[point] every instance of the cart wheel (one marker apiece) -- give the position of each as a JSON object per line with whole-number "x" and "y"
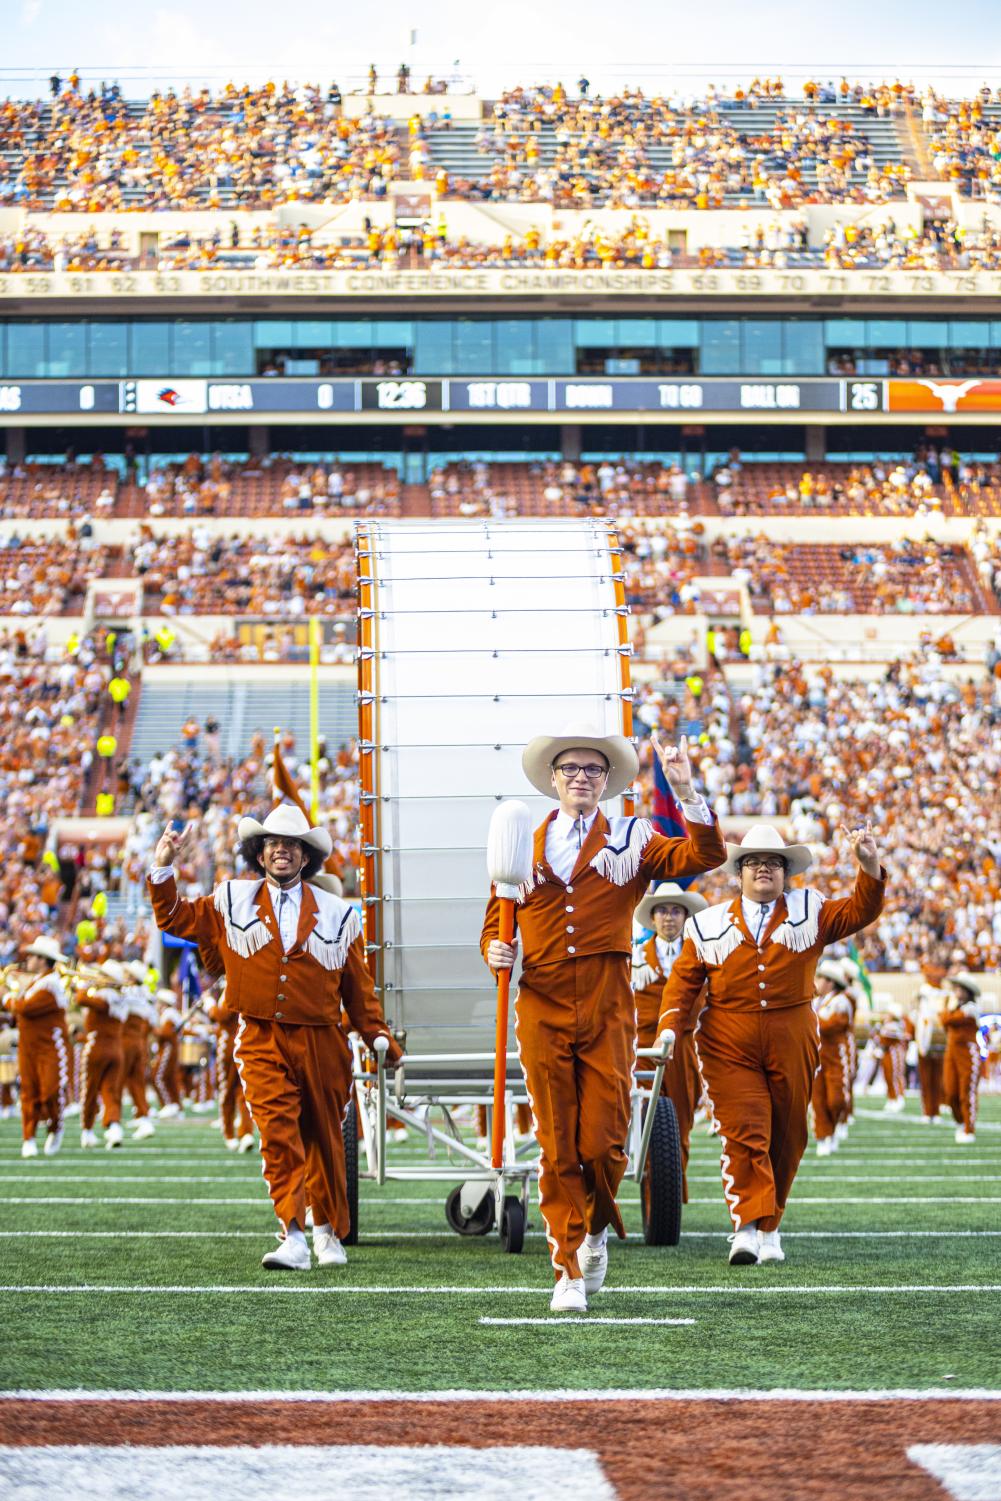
{"x": 349, "y": 1129}
{"x": 661, "y": 1190}
{"x": 480, "y": 1222}
{"x": 512, "y": 1230}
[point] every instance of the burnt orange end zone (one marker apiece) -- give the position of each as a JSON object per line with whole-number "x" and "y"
{"x": 685, "y": 1451}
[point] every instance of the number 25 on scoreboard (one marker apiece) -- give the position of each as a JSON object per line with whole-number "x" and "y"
{"x": 865, "y": 396}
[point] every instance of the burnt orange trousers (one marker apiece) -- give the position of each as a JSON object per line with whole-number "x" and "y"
{"x": 831, "y": 1088}
{"x": 930, "y": 1071}
{"x": 575, "y": 1023}
{"x": 44, "y": 1069}
{"x": 166, "y": 1074}
{"x": 297, "y": 1083}
{"x": 682, "y": 1085}
{"x": 232, "y": 1105}
{"x": 100, "y": 1078}
{"x": 961, "y": 1082}
{"x": 758, "y": 1068}
{"x": 894, "y": 1062}
{"x": 134, "y": 1057}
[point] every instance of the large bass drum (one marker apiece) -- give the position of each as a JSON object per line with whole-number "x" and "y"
{"x": 474, "y": 637}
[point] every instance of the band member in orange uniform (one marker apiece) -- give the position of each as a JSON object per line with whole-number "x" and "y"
{"x": 232, "y": 1105}
{"x": 963, "y": 1060}
{"x": 101, "y": 1059}
{"x": 575, "y": 1018}
{"x": 832, "y": 1081}
{"x": 930, "y": 1037}
{"x": 665, "y": 909}
{"x": 39, "y": 1008}
{"x": 757, "y": 1039}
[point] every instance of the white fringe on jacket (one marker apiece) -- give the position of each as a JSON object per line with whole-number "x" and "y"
{"x": 337, "y": 926}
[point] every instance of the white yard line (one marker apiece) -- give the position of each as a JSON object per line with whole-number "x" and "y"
{"x": 389, "y": 1235}
{"x": 377, "y": 1199}
{"x": 831, "y": 1176}
{"x": 577, "y": 1319}
{"x": 324, "y": 1289}
{"x": 568, "y": 1394}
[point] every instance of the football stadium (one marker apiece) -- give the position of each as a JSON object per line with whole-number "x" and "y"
{"x": 501, "y": 682}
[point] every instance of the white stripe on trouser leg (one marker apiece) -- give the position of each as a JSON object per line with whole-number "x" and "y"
{"x": 62, "y": 1065}
{"x": 224, "y": 1082}
{"x": 553, "y": 1246}
{"x": 974, "y": 1081}
{"x": 729, "y": 1192}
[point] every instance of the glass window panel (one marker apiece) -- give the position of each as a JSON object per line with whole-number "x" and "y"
{"x": 554, "y": 346}
{"x": 803, "y": 347}
{"x": 927, "y": 333}
{"x": 311, "y": 333}
{"x": 67, "y": 349}
{"x": 192, "y": 353}
{"x": 433, "y": 349}
{"x": 272, "y": 333}
{"x": 721, "y": 353}
{"x": 638, "y": 333}
{"x": 26, "y": 349}
{"x": 762, "y": 347}
{"x": 970, "y": 333}
{"x": 150, "y": 349}
{"x": 514, "y": 348}
{"x": 392, "y": 333}
{"x": 886, "y": 333}
{"x": 845, "y": 333}
{"x": 352, "y": 333}
{"x": 109, "y": 348}
{"x": 996, "y": 335}
{"x": 473, "y": 346}
{"x": 232, "y": 351}
{"x": 678, "y": 333}
{"x": 596, "y": 333}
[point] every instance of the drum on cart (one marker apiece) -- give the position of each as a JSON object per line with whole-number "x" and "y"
{"x": 474, "y": 637}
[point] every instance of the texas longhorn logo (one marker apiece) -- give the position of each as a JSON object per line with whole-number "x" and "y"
{"x": 169, "y": 396}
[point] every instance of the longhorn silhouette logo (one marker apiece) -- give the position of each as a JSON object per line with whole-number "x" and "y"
{"x": 951, "y": 395}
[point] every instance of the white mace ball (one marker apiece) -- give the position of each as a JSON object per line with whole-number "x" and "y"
{"x": 509, "y": 847}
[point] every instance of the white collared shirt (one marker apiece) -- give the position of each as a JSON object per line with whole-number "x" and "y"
{"x": 757, "y": 916}
{"x": 668, "y": 952}
{"x": 565, "y": 839}
{"x": 287, "y": 912}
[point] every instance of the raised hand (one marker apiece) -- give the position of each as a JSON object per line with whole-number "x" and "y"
{"x": 169, "y": 845}
{"x": 675, "y": 764}
{"x": 862, "y": 843}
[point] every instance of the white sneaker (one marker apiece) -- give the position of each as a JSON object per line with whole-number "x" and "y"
{"x": 247, "y": 1143}
{"x": 144, "y": 1127}
{"x": 925, "y": 1120}
{"x": 328, "y": 1249}
{"x": 53, "y": 1142}
{"x": 964, "y": 1137}
{"x": 744, "y": 1248}
{"x": 569, "y": 1296}
{"x": 88, "y": 1139}
{"x": 232, "y": 1142}
{"x": 73, "y": 1108}
{"x": 170, "y": 1112}
{"x": 113, "y": 1136}
{"x": 825, "y": 1146}
{"x": 894, "y": 1107}
{"x": 289, "y": 1256}
{"x": 29, "y": 1148}
{"x": 593, "y": 1263}
{"x": 937, "y": 1120}
{"x": 840, "y": 1132}
{"x": 770, "y": 1246}
{"x": 217, "y": 1123}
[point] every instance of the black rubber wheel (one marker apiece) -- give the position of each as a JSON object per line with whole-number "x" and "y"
{"x": 480, "y": 1222}
{"x": 661, "y": 1188}
{"x": 350, "y": 1130}
{"x": 512, "y": 1229}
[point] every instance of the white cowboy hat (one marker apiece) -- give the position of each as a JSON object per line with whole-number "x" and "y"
{"x": 325, "y": 880}
{"x": 288, "y": 820}
{"x": 833, "y": 970}
{"x": 667, "y": 894}
{"x": 764, "y": 839}
{"x": 46, "y": 948}
{"x": 137, "y": 969}
{"x": 166, "y": 998}
{"x": 116, "y": 972}
{"x": 539, "y": 754}
{"x": 967, "y": 981}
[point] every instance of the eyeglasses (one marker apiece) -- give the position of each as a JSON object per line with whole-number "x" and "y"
{"x": 763, "y": 862}
{"x": 281, "y": 844}
{"x": 593, "y": 773}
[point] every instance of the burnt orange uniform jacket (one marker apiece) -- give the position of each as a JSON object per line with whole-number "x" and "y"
{"x": 43, "y": 1053}
{"x": 757, "y": 1038}
{"x": 681, "y": 1072}
{"x": 575, "y": 1018}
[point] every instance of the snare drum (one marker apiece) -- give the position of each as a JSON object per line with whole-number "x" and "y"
{"x": 8, "y": 1068}
{"x": 192, "y": 1052}
{"x": 474, "y": 637}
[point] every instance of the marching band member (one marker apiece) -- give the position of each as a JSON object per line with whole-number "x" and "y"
{"x": 575, "y": 1018}
{"x": 930, "y": 1037}
{"x": 166, "y": 1071}
{"x": 136, "y": 1030}
{"x": 832, "y": 1081}
{"x": 293, "y": 956}
{"x": 101, "y": 1060}
{"x": 756, "y": 1038}
{"x": 665, "y": 909}
{"x": 963, "y": 1062}
{"x": 893, "y": 1034}
{"x": 42, "y": 1046}
{"x": 232, "y": 1104}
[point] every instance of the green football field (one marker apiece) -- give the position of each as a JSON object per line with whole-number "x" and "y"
{"x": 140, "y": 1269}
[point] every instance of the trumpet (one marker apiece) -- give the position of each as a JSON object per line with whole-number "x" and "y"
{"x": 89, "y": 975}
{"x": 13, "y": 977}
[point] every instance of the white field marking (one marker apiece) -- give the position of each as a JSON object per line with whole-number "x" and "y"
{"x": 379, "y": 1236}
{"x": 916, "y": 1122}
{"x": 969, "y": 1472}
{"x": 326, "y": 1289}
{"x": 83, "y": 1200}
{"x": 575, "y": 1319}
{"x": 111, "y": 1175}
{"x": 553, "y": 1394}
{"x": 366, "y": 1472}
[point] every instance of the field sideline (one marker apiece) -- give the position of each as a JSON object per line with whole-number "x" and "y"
{"x": 139, "y": 1271}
